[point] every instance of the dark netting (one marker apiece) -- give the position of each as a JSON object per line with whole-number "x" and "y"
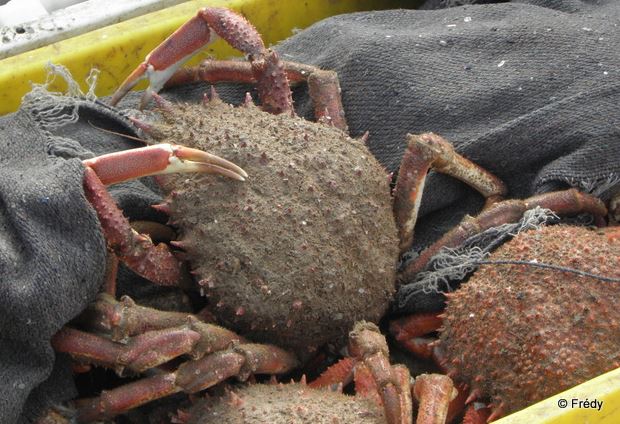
{"x": 529, "y": 90}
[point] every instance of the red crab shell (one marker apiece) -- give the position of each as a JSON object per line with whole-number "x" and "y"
{"x": 518, "y": 334}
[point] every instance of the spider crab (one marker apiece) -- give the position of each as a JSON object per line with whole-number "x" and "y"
{"x": 515, "y": 333}
{"x": 272, "y": 303}
{"x": 538, "y": 317}
{"x": 291, "y": 251}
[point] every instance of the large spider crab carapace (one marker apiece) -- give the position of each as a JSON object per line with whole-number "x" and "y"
{"x": 307, "y": 242}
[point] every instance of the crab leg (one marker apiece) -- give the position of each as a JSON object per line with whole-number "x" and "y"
{"x": 155, "y": 263}
{"x": 323, "y": 85}
{"x": 430, "y": 151}
{"x": 415, "y": 325}
{"x": 124, "y": 319}
{"x": 339, "y": 373}
{"x": 217, "y": 354}
{"x": 124, "y": 398}
{"x": 111, "y": 270}
{"x": 195, "y": 34}
{"x": 199, "y": 31}
{"x": 368, "y": 344}
{"x": 191, "y": 377}
{"x": 568, "y": 202}
{"x": 139, "y": 354}
{"x": 434, "y": 393}
{"x": 408, "y": 331}
{"x": 370, "y": 367}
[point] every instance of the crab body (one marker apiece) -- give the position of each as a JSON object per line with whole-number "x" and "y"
{"x": 308, "y": 244}
{"x": 293, "y": 254}
{"x": 518, "y": 334}
{"x": 288, "y": 403}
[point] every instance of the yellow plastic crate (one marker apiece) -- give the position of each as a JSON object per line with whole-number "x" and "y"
{"x": 117, "y": 49}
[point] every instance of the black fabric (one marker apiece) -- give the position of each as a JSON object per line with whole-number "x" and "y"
{"x": 51, "y": 262}
{"x": 530, "y": 92}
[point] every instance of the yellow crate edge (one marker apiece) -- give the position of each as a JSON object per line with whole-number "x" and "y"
{"x": 117, "y": 49}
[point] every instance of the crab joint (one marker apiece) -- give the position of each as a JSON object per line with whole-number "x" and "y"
{"x": 434, "y": 393}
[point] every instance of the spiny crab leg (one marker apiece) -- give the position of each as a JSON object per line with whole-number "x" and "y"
{"x": 139, "y": 354}
{"x": 156, "y": 263}
{"x": 217, "y": 354}
{"x": 374, "y": 377}
{"x": 192, "y": 36}
{"x": 408, "y": 332}
{"x": 323, "y": 85}
{"x": 564, "y": 202}
{"x": 126, "y": 318}
{"x": 191, "y": 377}
{"x": 431, "y": 151}
{"x": 199, "y": 31}
{"x": 160, "y": 159}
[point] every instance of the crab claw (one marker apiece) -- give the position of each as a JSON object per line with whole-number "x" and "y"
{"x": 160, "y": 159}
{"x": 195, "y": 34}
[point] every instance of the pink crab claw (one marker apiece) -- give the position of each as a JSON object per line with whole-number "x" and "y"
{"x": 154, "y": 262}
{"x": 195, "y": 34}
{"x": 160, "y": 159}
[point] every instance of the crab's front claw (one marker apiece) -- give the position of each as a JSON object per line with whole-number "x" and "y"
{"x": 160, "y": 159}
{"x": 200, "y": 31}
{"x": 155, "y": 263}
